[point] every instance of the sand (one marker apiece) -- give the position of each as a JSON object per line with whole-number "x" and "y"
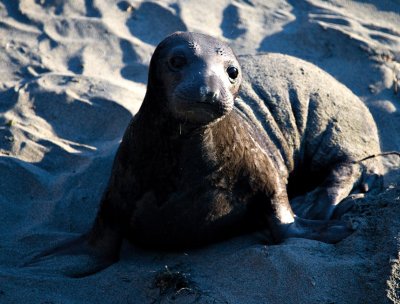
{"x": 73, "y": 73}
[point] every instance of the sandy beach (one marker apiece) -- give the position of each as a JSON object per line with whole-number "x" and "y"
{"x": 73, "y": 74}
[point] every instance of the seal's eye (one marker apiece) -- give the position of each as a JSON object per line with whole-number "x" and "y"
{"x": 177, "y": 62}
{"x": 232, "y": 72}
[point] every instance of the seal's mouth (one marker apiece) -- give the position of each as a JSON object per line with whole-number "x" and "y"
{"x": 216, "y": 108}
{"x": 201, "y": 112}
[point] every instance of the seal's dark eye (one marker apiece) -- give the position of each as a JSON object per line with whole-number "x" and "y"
{"x": 232, "y": 72}
{"x": 177, "y": 62}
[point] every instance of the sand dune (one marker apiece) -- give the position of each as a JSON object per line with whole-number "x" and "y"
{"x": 73, "y": 73}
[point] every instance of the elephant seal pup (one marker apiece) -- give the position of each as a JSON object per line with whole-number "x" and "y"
{"x": 218, "y": 147}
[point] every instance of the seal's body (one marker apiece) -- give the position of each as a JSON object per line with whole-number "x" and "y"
{"x": 200, "y": 161}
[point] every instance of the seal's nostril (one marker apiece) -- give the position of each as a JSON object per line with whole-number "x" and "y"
{"x": 203, "y": 92}
{"x": 208, "y": 95}
{"x": 212, "y": 96}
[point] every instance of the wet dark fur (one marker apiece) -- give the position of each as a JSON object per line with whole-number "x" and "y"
{"x": 183, "y": 164}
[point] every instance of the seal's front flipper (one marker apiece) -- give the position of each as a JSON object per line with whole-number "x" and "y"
{"x": 284, "y": 224}
{"x": 325, "y": 231}
{"x": 332, "y": 198}
{"x": 320, "y": 203}
{"x": 79, "y": 257}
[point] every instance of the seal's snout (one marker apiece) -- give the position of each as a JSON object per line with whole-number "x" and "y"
{"x": 199, "y": 75}
{"x": 209, "y": 95}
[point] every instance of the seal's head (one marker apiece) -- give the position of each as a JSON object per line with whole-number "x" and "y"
{"x": 198, "y": 76}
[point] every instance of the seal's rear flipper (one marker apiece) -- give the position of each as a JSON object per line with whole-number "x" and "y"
{"x": 79, "y": 257}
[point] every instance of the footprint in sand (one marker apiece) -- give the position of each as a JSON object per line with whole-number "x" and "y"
{"x": 231, "y": 24}
{"x": 75, "y": 64}
{"x": 66, "y": 8}
{"x": 161, "y": 20}
{"x": 132, "y": 69}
